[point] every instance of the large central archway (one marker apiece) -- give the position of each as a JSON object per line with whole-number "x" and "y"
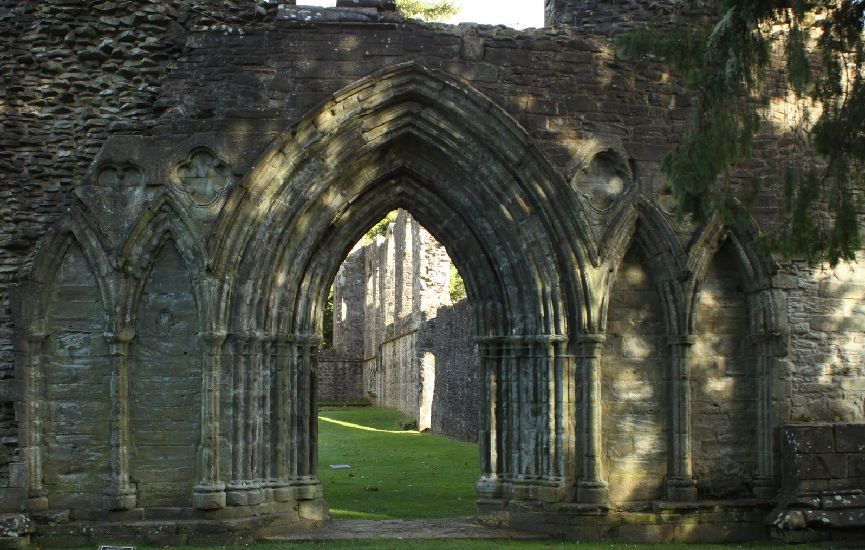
{"x": 405, "y": 138}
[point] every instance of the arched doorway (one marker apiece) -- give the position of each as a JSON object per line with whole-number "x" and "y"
{"x": 408, "y": 139}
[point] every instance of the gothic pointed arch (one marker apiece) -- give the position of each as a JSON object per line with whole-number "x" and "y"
{"x": 415, "y": 139}
{"x": 73, "y": 229}
{"x": 162, "y": 220}
{"x": 162, "y": 304}
{"x": 63, "y": 309}
{"x": 643, "y": 226}
{"x": 755, "y": 268}
{"x": 427, "y": 128}
{"x": 739, "y": 323}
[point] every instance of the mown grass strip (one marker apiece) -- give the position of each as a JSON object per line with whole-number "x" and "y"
{"x": 393, "y": 473}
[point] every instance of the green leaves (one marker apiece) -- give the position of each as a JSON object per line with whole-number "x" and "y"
{"x": 427, "y": 10}
{"x": 725, "y": 63}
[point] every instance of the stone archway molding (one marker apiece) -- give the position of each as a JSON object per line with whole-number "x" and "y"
{"x": 413, "y": 138}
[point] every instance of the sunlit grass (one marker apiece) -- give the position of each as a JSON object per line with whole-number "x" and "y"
{"x": 392, "y": 475}
{"x": 366, "y": 428}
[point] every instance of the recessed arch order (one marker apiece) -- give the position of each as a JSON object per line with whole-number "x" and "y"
{"x": 411, "y": 138}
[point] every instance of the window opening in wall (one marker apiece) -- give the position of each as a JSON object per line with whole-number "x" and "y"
{"x": 398, "y": 381}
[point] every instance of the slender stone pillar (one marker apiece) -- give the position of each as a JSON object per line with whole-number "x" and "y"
{"x": 680, "y": 484}
{"x": 544, "y": 358}
{"x": 591, "y": 487}
{"x": 765, "y": 485}
{"x": 33, "y": 349}
{"x": 252, "y": 420}
{"x": 283, "y": 356}
{"x": 120, "y": 493}
{"x": 209, "y": 493}
{"x": 266, "y": 425}
{"x": 489, "y": 484}
{"x": 307, "y": 347}
{"x": 235, "y": 493}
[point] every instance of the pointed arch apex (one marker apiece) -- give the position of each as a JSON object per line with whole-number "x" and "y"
{"x": 161, "y": 216}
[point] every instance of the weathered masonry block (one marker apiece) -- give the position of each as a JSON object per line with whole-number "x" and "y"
{"x": 178, "y": 193}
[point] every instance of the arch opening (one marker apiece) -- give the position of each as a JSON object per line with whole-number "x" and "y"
{"x": 402, "y": 347}
{"x": 469, "y": 175}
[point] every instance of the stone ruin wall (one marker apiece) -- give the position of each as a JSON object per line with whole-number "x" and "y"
{"x": 393, "y": 316}
{"x": 340, "y": 367}
{"x": 71, "y": 76}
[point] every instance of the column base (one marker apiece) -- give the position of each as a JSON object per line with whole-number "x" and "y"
{"x": 545, "y": 489}
{"x": 765, "y": 488}
{"x": 243, "y": 493}
{"x": 119, "y": 500}
{"x": 37, "y": 504}
{"x": 593, "y": 492}
{"x": 209, "y": 496}
{"x": 489, "y": 486}
{"x": 681, "y": 489}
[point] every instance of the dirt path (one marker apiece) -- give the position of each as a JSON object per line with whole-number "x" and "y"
{"x": 451, "y": 528}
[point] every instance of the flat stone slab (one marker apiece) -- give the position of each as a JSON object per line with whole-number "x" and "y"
{"x": 400, "y": 529}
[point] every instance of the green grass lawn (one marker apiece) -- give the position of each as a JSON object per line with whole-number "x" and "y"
{"x": 394, "y": 473}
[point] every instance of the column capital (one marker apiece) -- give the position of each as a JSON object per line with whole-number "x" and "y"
{"x": 592, "y": 338}
{"x": 591, "y": 344}
{"x": 213, "y": 337}
{"x": 307, "y": 339}
{"x": 681, "y": 339}
{"x": 120, "y": 335}
{"x": 35, "y": 336}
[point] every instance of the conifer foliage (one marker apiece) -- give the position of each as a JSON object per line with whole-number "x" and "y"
{"x": 428, "y": 10}
{"x": 725, "y": 60}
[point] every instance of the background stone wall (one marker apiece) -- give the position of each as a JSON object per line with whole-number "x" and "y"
{"x": 405, "y": 284}
{"x": 165, "y": 386}
{"x": 418, "y": 352}
{"x": 77, "y": 386}
{"x": 448, "y": 339}
{"x": 340, "y": 378}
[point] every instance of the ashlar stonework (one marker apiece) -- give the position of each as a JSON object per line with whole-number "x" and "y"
{"x": 180, "y": 185}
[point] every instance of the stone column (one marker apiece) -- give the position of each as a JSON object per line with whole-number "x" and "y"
{"x": 120, "y": 493}
{"x": 235, "y": 492}
{"x": 252, "y": 419}
{"x": 283, "y": 355}
{"x": 307, "y": 398}
{"x": 245, "y": 485}
{"x": 32, "y": 350}
{"x": 680, "y": 484}
{"x": 266, "y": 425}
{"x": 489, "y": 484}
{"x": 591, "y": 487}
{"x": 545, "y": 386}
{"x": 765, "y": 485}
{"x": 521, "y": 418}
{"x": 209, "y": 493}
